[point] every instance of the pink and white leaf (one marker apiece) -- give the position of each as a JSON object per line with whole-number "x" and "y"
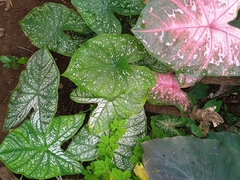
{"x": 185, "y": 81}
{"x": 167, "y": 92}
{"x": 192, "y": 36}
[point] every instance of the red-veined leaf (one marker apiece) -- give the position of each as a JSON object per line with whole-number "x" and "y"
{"x": 167, "y": 92}
{"x": 192, "y": 36}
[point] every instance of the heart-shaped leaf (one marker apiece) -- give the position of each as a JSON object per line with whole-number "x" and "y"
{"x": 193, "y": 37}
{"x": 190, "y": 158}
{"x": 120, "y": 107}
{"x": 99, "y": 14}
{"x": 37, "y": 90}
{"x": 167, "y": 92}
{"x": 45, "y": 25}
{"x": 39, "y": 155}
{"x": 101, "y": 66}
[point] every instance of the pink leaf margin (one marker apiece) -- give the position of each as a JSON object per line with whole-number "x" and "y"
{"x": 168, "y": 92}
{"x": 192, "y": 36}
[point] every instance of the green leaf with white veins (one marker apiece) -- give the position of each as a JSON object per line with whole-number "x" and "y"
{"x": 120, "y": 107}
{"x": 84, "y": 144}
{"x": 136, "y": 127}
{"x": 101, "y": 66}
{"x": 99, "y": 14}
{"x": 45, "y": 25}
{"x": 37, "y": 90}
{"x": 39, "y": 155}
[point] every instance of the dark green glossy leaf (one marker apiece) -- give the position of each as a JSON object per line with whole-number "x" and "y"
{"x": 199, "y": 91}
{"x": 99, "y": 14}
{"x": 190, "y": 158}
{"x": 230, "y": 139}
{"x": 166, "y": 125}
{"x": 37, "y": 90}
{"x": 39, "y": 155}
{"x": 214, "y": 102}
{"x": 120, "y": 107}
{"x": 45, "y": 25}
{"x": 101, "y": 66}
{"x": 191, "y": 125}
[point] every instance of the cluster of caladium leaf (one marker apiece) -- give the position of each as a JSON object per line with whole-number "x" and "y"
{"x": 34, "y": 148}
{"x": 189, "y": 37}
{"x": 104, "y": 72}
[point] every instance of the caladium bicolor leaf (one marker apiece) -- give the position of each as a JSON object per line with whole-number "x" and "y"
{"x": 153, "y": 64}
{"x": 190, "y": 158}
{"x": 84, "y": 144}
{"x": 167, "y": 92}
{"x": 192, "y": 37}
{"x": 37, "y": 90}
{"x": 136, "y": 127}
{"x": 39, "y": 155}
{"x": 186, "y": 81}
{"x": 45, "y": 25}
{"x": 101, "y": 66}
{"x": 167, "y": 126}
{"x": 99, "y": 14}
{"x": 120, "y": 107}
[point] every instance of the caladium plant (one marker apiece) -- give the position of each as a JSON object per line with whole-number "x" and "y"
{"x": 189, "y": 37}
{"x": 168, "y": 92}
{"x": 192, "y": 37}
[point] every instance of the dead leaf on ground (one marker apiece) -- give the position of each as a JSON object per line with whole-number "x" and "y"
{"x": 206, "y": 117}
{"x": 8, "y": 4}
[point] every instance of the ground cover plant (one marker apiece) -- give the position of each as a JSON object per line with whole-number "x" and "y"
{"x": 123, "y": 54}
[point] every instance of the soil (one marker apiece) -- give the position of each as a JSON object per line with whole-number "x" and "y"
{"x": 15, "y": 43}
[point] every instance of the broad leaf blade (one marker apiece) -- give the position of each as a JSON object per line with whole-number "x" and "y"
{"x": 193, "y": 37}
{"x": 167, "y": 92}
{"x": 101, "y": 66}
{"x": 84, "y": 145}
{"x": 153, "y": 64}
{"x": 45, "y": 25}
{"x": 38, "y": 90}
{"x": 190, "y": 158}
{"x": 99, "y": 14}
{"x": 120, "y": 107}
{"x": 39, "y": 155}
{"x": 136, "y": 127}
{"x": 230, "y": 139}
